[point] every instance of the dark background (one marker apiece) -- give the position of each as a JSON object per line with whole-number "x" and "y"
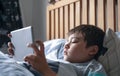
{"x": 10, "y": 19}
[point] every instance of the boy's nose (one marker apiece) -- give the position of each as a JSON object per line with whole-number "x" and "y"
{"x": 66, "y": 46}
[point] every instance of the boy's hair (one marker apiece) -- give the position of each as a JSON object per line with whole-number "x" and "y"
{"x": 92, "y": 35}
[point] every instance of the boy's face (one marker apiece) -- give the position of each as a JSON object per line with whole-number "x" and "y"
{"x": 75, "y": 49}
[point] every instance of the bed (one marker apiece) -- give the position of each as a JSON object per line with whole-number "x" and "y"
{"x": 62, "y": 15}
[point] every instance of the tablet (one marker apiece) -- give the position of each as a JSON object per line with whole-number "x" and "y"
{"x": 20, "y": 38}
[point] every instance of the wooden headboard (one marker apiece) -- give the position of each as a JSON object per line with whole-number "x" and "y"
{"x": 66, "y": 14}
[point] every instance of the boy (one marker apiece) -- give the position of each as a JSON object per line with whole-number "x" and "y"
{"x": 83, "y": 46}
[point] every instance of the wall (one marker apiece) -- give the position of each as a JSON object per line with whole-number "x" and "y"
{"x": 34, "y": 14}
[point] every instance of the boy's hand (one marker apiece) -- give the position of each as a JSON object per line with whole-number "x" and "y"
{"x": 10, "y": 48}
{"x": 38, "y": 60}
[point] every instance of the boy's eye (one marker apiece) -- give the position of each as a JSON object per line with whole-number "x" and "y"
{"x": 74, "y": 40}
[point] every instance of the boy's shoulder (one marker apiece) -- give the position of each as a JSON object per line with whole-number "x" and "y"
{"x": 90, "y": 68}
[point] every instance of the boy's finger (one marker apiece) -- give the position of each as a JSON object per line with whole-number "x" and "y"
{"x": 35, "y": 48}
{"x": 11, "y": 51}
{"x": 10, "y": 45}
{"x": 9, "y": 35}
{"x": 41, "y": 45}
{"x": 30, "y": 59}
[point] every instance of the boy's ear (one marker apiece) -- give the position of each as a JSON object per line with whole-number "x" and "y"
{"x": 93, "y": 50}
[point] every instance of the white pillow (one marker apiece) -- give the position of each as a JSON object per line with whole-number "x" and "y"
{"x": 54, "y": 49}
{"x": 111, "y": 59}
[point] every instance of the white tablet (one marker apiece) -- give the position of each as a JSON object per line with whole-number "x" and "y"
{"x": 20, "y": 38}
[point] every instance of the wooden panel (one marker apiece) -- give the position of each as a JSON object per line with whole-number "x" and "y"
{"x": 61, "y": 4}
{"x": 61, "y": 23}
{"x": 66, "y": 18}
{"x": 72, "y": 16}
{"x": 77, "y": 13}
{"x": 110, "y": 14}
{"x": 92, "y": 12}
{"x": 70, "y": 13}
{"x": 48, "y": 25}
{"x": 52, "y": 24}
{"x": 56, "y": 24}
{"x": 101, "y": 14}
{"x": 84, "y": 12}
{"x": 118, "y": 15}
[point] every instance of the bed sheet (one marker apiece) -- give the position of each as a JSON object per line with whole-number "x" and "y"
{"x": 9, "y": 67}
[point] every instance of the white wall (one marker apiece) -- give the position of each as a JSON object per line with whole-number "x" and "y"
{"x": 34, "y": 14}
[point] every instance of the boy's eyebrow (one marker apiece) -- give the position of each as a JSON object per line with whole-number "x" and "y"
{"x": 77, "y": 37}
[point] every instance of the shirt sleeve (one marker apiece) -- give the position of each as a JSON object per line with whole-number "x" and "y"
{"x": 94, "y": 68}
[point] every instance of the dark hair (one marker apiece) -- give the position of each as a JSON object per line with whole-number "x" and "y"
{"x": 4, "y": 39}
{"x": 92, "y": 35}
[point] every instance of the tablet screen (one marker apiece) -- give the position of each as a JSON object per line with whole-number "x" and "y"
{"x": 20, "y": 38}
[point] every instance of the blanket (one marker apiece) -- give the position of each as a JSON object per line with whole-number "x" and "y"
{"x": 10, "y": 67}
{"x": 90, "y": 68}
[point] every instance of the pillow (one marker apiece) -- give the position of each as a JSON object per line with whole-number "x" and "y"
{"x": 54, "y": 49}
{"x": 111, "y": 59}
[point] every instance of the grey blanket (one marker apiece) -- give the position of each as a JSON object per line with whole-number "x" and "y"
{"x": 9, "y": 67}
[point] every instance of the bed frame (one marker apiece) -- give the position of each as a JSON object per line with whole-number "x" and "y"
{"x": 66, "y": 14}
